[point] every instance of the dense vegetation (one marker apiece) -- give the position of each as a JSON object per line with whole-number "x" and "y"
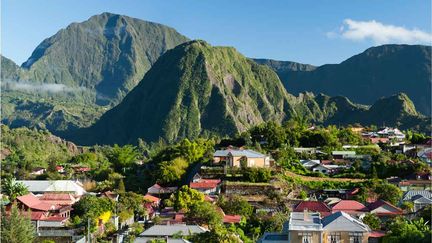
{"x": 196, "y": 89}
{"x": 377, "y": 72}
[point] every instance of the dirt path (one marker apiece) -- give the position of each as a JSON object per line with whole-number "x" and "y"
{"x": 310, "y": 178}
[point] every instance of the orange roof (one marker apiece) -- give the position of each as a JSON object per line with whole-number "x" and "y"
{"x": 32, "y": 202}
{"x": 231, "y": 219}
{"x": 151, "y": 198}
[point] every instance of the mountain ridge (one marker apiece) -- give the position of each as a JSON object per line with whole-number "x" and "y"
{"x": 378, "y": 72}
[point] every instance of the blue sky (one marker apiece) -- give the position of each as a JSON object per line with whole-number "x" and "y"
{"x": 314, "y": 32}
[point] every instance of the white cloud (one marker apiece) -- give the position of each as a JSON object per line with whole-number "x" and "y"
{"x": 33, "y": 87}
{"x": 380, "y": 33}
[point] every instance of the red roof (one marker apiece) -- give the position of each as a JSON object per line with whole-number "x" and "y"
{"x": 349, "y": 206}
{"x": 380, "y": 203}
{"x": 313, "y": 206}
{"x": 151, "y": 198}
{"x": 377, "y": 234}
{"x": 59, "y": 167}
{"x": 231, "y": 219}
{"x": 205, "y": 184}
{"x": 202, "y": 185}
{"x": 32, "y": 202}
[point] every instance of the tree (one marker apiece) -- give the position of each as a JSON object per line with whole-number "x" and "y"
{"x": 403, "y": 230}
{"x": 13, "y": 189}
{"x": 17, "y": 228}
{"x": 132, "y": 203}
{"x": 388, "y": 192}
{"x": 122, "y": 157}
{"x": 121, "y": 186}
{"x": 184, "y": 198}
{"x": 408, "y": 206}
{"x": 257, "y": 174}
{"x": 204, "y": 213}
{"x": 91, "y": 208}
{"x": 235, "y": 205}
{"x": 372, "y": 221}
{"x": 170, "y": 171}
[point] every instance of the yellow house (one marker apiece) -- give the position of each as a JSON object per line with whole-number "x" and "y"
{"x": 308, "y": 227}
{"x": 236, "y": 157}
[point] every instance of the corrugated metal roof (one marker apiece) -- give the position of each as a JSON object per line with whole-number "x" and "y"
{"x": 341, "y": 221}
{"x": 169, "y": 230}
{"x": 239, "y": 153}
{"x": 409, "y": 194}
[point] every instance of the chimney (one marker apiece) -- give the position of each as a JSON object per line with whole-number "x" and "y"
{"x": 305, "y": 215}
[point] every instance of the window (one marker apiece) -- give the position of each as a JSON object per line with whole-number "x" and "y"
{"x": 334, "y": 238}
{"x": 355, "y": 237}
{"x": 251, "y": 163}
{"x": 306, "y": 237}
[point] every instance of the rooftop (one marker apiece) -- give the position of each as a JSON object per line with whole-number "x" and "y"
{"x": 239, "y": 153}
{"x": 305, "y": 221}
{"x": 169, "y": 230}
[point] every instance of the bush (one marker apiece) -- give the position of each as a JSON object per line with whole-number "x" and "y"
{"x": 257, "y": 174}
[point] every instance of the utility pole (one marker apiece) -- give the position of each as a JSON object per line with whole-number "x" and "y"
{"x": 88, "y": 230}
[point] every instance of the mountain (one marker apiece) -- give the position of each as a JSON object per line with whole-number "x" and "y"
{"x": 364, "y": 78}
{"x": 197, "y": 89}
{"x": 75, "y": 75}
{"x": 193, "y": 89}
{"x": 10, "y": 71}
{"x": 107, "y": 54}
{"x": 281, "y": 67}
{"x": 396, "y": 110}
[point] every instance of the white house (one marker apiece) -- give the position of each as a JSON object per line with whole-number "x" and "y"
{"x": 42, "y": 186}
{"x": 309, "y": 163}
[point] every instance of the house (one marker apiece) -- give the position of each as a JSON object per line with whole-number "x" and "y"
{"x": 313, "y": 206}
{"x": 309, "y": 163}
{"x": 62, "y": 199}
{"x": 168, "y": 232}
{"x": 391, "y": 133}
{"x": 351, "y": 207}
{"x": 110, "y": 195}
{"x": 235, "y": 158}
{"x": 154, "y": 201}
{"x": 384, "y": 209}
{"x": 327, "y": 169}
{"x": 377, "y": 140}
{"x": 410, "y": 194}
{"x": 420, "y": 202}
{"x": 342, "y": 227}
{"x": 38, "y": 171}
{"x": 157, "y": 189}
{"x": 206, "y": 186}
{"x": 34, "y": 204}
{"x": 56, "y": 186}
{"x": 338, "y": 193}
{"x": 342, "y": 154}
{"x": 60, "y": 169}
{"x": 306, "y": 227}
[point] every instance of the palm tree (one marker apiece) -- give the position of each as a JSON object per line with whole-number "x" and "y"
{"x": 13, "y": 189}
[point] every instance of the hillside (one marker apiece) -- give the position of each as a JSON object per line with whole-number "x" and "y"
{"x": 194, "y": 89}
{"x": 108, "y": 54}
{"x": 364, "y": 78}
{"x": 198, "y": 89}
{"x": 75, "y": 75}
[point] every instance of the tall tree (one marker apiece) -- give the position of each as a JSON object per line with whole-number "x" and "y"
{"x": 13, "y": 189}
{"x": 16, "y": 227}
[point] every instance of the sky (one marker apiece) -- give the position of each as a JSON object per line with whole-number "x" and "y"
{"x": 314, "y": 32}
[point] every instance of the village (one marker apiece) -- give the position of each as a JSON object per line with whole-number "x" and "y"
{"x": 320, "y": 196}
